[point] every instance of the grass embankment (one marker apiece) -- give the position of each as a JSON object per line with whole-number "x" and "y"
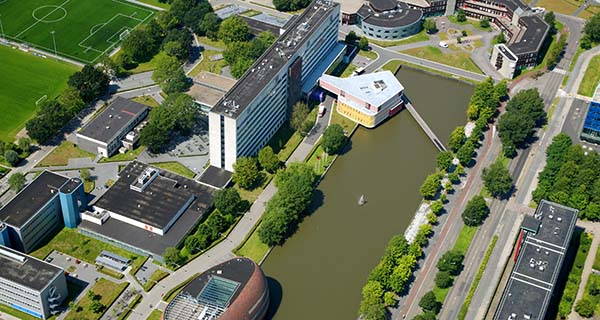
{"x": 60, "y": 155}
{"x": 127, "y": 156}
{"x": 155, "y": 315}
{"x": 16, "y": 313}
{"x": 582, "y": 242}
{"x": 591, "y": 78}
{"x": 154, "y": 279}
{"x": 461, "y": 245}
{"x": 252, "y": 247}
{"x": 285, "y": 141}
{"x": 458, "y": 59}
{"x": 146, "y": 100}
{"x": 392, "y": 65}
{"x": 71, "y": 242}
{"x": 465, "y": 307}
{"x": 108, "y": 292}
{"x": 25, "y": 79}
{"x": 419, "y": 37}
{"x": 319, "y": 160}
{"x": 175, "y": 167}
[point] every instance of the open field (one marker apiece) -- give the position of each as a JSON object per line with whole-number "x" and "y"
{"x": 25, "y": 79}
{"x": 590, "y": 78}
{"x": 82, "y": 30}
{"x": 60, "y": 155}
{"x": 458, "y": 59}
{"x": 559, "y": 6}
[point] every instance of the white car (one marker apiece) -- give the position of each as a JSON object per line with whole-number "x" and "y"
{"x": 443, "y": 44}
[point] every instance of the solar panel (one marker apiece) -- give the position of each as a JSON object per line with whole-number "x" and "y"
{"x": 218, "y": 291}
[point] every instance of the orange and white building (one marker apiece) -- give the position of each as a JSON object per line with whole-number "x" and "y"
{"x": 367, "y": 99}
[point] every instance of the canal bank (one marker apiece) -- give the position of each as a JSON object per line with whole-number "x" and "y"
{"x": 319, "y": 272}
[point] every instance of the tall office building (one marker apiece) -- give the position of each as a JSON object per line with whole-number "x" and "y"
{"x": 244, "y": 120}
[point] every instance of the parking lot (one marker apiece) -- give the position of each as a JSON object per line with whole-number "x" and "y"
{"x": 146, "y": 271}
{"x": 77, "y": 269}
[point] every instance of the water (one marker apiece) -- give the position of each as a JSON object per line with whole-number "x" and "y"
{"x": 319, "y": 272}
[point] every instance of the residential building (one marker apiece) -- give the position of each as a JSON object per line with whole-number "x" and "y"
{"x": 367, "y": 99}
{"x": 591, "y": 127}
{"x": 31, "y": 285}
{"x": 233, "y": 290}
{"x": 147, "y": 210}
{"x": 525, "y": 31}
{"x": 541, "y": 249}
{"x": 48, "y": 203}
{"x": 249, "y": 114}
{"x": 104, "y": 134}
{"x": 389, "y": 19}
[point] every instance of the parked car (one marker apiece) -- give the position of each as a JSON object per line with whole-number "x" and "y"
{"x": 443, "y": 44}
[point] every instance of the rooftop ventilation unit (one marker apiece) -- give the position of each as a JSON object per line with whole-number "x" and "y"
{"x": 13, "y": 256}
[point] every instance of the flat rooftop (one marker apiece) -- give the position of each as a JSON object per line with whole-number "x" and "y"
{"x": 32, "y": 198}
{"x": 216, "y": 177}
{"x": 349, "y": 6}
{"x": 209, "y": 88}
{"x": 111, "y": 121}
{"x": 533, "y": 37}
{"x": 400, "y": 15}
{"x": 374, "y": 88}
{"x": 258, "y": 26}
{"x": 158, "y": 203}
{"x": 274, "y": 59}
{"x": 532, "y": 280}
{"x": 26, "y": 270}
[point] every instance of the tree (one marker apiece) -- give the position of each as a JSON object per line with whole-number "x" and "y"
{"x": 436, "y": 207}
{"x": 71, "y": 100}
{"x": 501, "y": 89}
{"x": 333, "y": 139}
{"x": 484, "y": 23}
{"x": 457, "y": 138}
{"x": 476, "y": 211}
{"x": 429, "y": 25}
{"x": 451, "y": 262}
{"x": 169, "y": 74}
{"x": 400, "y": 277}
{"x": 268, "y": 159}
{"x": 497, "y": 179}
{"x": 465, "y": 153}
{"x": 444, "y": 160}
{"x": 12, "y": 157}
{"x": 430, "y": 186}
{"x": 228, "y": 201}
{"x": 443, "y": 279}
{"x": 140, "y": 45}
{"x": 96, "y": 306}
{"x": 592, "y": 28}
{"x": 585, "y": 308}
{"x": 372, "y": 294}
{"x": 209, "y": 26}
{"x": 299, "y": 113}
{"x": 425, "y": 316}
{"x": 176, "y": 115}
{"x": 178, "y": 43}
{"x": 196, "y": 14}
{"x": 290, "y": 5}
{"x": 556, "y": 52}
{"x": 16, "y": 182}
{"x": 500, "y": 38}
{"x": 48, "y": 121}
{"x": 524, "y": 112}
{"x": 172, "y": 257}
{"x": 245, "y": 172}
{"x": 85, "y": 174}
{"x": 363, "y": 43}
{"x": 90, "y": 82}
{"x": 351, "y": 38}
{"x": 234, "y": 29}
{"x": 461, "y": 16}
{"x": 429, "y": 303}
{"x": 550, "y": 18}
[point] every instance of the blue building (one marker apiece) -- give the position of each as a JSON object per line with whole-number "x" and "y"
{"x": 591, "y": 126}
{"x": 45, "y": 205}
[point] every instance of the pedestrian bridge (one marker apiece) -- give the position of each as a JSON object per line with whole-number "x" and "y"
{"x": 437, "y": 142}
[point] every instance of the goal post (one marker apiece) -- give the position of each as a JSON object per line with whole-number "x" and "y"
{"x": 124, "y": 34}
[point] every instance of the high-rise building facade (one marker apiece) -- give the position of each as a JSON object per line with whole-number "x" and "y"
{"x": 244, "y": 120}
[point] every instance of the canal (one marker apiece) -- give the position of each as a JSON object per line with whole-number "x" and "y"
{"x": 319, "y": 272}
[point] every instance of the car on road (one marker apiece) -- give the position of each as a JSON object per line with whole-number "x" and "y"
{"x": 322, "y": 110}
{"x": 443, "y": 44}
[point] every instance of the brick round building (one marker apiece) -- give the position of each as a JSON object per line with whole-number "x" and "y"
{"x": 233, "y": 290}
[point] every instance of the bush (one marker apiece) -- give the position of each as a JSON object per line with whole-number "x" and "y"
{"x": 429, "y": 303}
{"x": 475, "y": 212}
{"x": 585, "y": 308}
{"x": 245, "y": 172}
{"x": 451, "y": 262}
{"x": 443, "y": 280}
{"x": 12, "y": 157}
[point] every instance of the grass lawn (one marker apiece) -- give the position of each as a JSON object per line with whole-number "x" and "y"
{"x": 143, "y": 66}
{"x": 464, "y": 239}
{"x": 16, "y": 313}
{"x": 419, "y": 37}
{"x": 590, "y": 78}
{"x": 107, "y": 290}
{"x": 593, "y": 280}
{"x": 207, "y": 65}
{"x": 337, "y": 118}
{"x": 60, "y": 155}
{"x": 71, "y": 242}
{"x": 217, "y": 44}
{"x": 250, "y": 13}
{"x": 147, "y": 100}
{"x": 473, "y": 22}
{"x": 597, "y": 260}
{"x": 457, "y": 59}
{"x": 128, "y": 156}
{"x": 25, "y": 79}
{"x": 392, "y": 66}
{"x": 285, "y": 141}
{"x": 368, "y": 54}
{"x": 83, "y": 30}
{"x": 156, "y": 3}
{"x": 582, "y": 242}
{"x": 348, "y": 71}
{"x": 589, "y": 12}
{"x": 154, "y": 278}
{"x": 559, "y": 6}
{"x": 252, "y": 195}
{"x": 253, "y": 248}
{"x": 155, "y": 315}
{"x": 319, "y": 160}
{"x": 175, "y": 167}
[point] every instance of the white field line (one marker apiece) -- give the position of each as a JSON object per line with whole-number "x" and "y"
{"x": 44, "y": 17}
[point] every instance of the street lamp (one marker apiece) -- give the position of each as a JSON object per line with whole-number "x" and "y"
{"x": 54, "y": 41}
{"x": 2, "y": 28}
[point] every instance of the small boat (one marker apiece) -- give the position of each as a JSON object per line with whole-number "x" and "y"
{"x": 362, "y": 200}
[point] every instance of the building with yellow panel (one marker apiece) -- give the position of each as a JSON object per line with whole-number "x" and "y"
{"x": 366, "y": 99}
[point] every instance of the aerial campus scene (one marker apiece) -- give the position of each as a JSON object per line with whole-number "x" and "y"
{"x": 297, "y": 159}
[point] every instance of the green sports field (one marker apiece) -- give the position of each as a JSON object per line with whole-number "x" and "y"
{"x": 24, "y": 79}
{"x": 83, "y": 30}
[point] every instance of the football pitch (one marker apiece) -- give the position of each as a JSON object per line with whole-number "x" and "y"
{"x": 82, "y": 30}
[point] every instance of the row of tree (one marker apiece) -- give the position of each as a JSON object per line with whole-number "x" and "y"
{"x": 83, "y": 87}
{"x": 290, "y": 5}
{"x": 392, "y": 275}
{"x": 591, "y": 32}
{"x": 571, "y": 177}
{"x": 284, "y": 211}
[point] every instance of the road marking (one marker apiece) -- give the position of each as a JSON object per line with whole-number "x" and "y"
{"x": 532, "y": 278}
{"x": 531, "y": 284}
{"x": 41, "y": 19}
{"x": 546, "y": 248}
